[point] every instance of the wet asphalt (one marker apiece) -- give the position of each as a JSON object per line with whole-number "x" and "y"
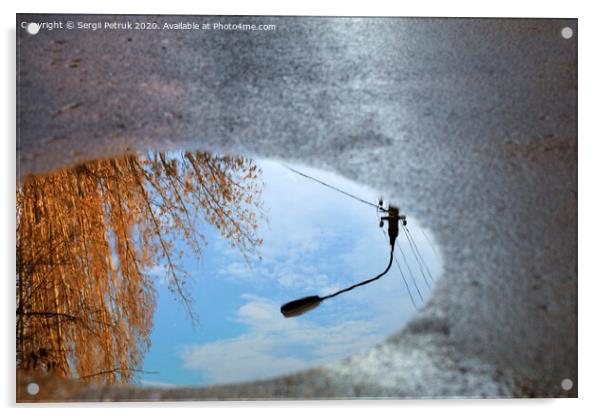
{"x": 470, "y": 125}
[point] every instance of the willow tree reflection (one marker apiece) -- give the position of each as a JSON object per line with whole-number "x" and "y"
{"x": 87, "y": 236}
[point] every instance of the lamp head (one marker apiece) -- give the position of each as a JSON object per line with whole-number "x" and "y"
{"x": 300, "y": 306}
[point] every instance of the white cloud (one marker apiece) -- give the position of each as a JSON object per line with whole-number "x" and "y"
{"x": 273, "y": 345}
{"x": 318, "y": 242}
{"x": 238, "y": 359}
{"x": 159, "y": 273}
{"x": 238, "y": 270}
{"x": 306, "y": 220}
{"x": 158, "y": 384}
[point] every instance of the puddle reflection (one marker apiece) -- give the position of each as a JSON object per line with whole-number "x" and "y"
{"x": 117, "y": 259}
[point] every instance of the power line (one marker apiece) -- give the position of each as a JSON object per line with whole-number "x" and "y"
{"x": 416, "y": 257}
{"x": 378, "y": 209}
{"x": 334, "y": 188}
{"x": 420, "y": 255}
{"x": 401, "y": 272}
{"x": 428, "y": 240}
{"x": 405, "y": 260}
{"x": 407, "y": 286}
{"x": 407, "y": 267}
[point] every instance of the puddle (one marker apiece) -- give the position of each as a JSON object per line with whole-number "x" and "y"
{"x": 211, "y": 247}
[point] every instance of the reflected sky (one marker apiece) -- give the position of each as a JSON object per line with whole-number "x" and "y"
{"x": 317, "y": 241}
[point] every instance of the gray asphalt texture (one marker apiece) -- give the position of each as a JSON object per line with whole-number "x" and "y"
{"x": 469, "y": 125}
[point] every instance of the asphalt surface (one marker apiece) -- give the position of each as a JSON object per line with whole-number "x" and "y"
{"x": 470, "y": 125}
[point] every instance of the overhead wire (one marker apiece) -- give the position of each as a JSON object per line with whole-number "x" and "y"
{"x": 417, "y": 258}
{"x": 418, "y": 252}
{"x": 407, "y": 264}
{"x": 401, "y": 272}
{"x": 413, "y": 247}
{"x": 428, "y": 240}
{"x": 379, "y": 208}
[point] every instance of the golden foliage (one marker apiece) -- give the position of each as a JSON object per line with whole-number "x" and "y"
{"x": 87, "y": 237}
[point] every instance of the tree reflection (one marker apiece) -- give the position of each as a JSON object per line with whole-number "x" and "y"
{"x": 87, "y": 238}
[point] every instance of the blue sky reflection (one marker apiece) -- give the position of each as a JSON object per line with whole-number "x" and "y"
{"x": 317, "y": 241}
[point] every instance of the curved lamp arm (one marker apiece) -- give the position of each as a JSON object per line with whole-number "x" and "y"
{"x": 300, "y": 306}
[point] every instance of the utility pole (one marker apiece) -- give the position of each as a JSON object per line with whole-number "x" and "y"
{"x": 393, "y": 218}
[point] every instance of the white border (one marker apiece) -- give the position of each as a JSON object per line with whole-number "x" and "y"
{"x": 429, "y": 8}
{"x": 590, "y": 210}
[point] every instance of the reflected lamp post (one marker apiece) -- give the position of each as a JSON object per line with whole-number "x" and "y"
{"x": 300, "y": 306}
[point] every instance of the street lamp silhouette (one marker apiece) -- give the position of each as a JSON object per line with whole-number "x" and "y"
{"x": 300, "y": 306}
